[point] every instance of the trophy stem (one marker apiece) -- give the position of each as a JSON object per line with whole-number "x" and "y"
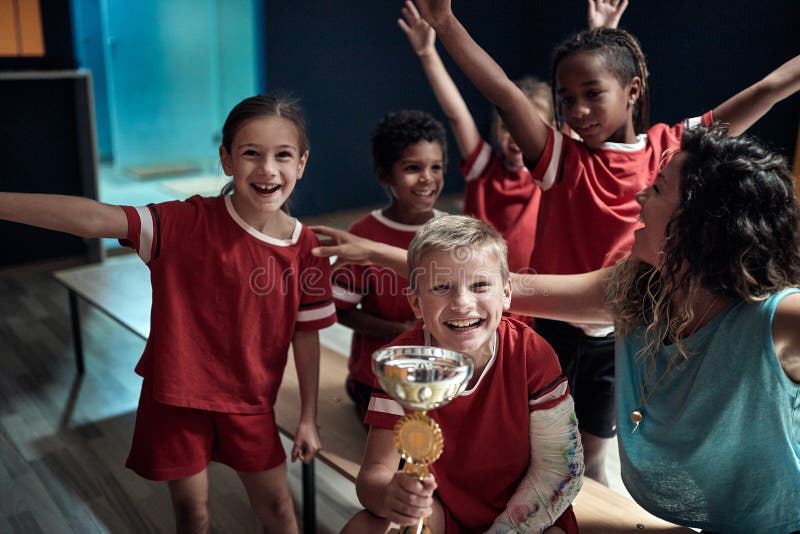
{"x": 420, "y": 528}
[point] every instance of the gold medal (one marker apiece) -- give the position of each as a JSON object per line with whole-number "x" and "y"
{"x": 418, "y": 438}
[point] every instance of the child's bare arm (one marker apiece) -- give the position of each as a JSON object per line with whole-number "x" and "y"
{"x": 78, "y": 216}
{"x": 423, "y": 40}
{"x": 745, "y": 108}
{"x": 385, "y": 491}
{"x": 605, "y": 13}
{"x": 517, "y": 111}
{"x": 366, "y": 323}
{"x": 305, "y": 345}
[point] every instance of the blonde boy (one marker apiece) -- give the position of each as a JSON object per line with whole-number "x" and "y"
{"x": 518, "y": 401}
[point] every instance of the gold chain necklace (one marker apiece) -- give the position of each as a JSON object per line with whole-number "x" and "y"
{"x": 637, "y": 415}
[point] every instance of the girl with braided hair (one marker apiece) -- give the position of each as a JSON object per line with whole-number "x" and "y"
{"x": 589, "y": 209}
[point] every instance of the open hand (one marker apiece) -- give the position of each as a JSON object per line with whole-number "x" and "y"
{"x": 435, "y": 11}
{"x": 419, "y": 33}
{"x": 605, "y": 13}
{"x": 347, "y": 247}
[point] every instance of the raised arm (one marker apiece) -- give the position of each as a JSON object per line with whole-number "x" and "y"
{"x": 305, "y": 346}
{"x": 605, "y": 13}
{"x": 423, "y": 40}
{"x": 745, "y": 108}
{"x": 518, "y": 113}
{"x": 79, "y": 216}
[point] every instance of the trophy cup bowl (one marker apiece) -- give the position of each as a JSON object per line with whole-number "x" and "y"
{"x": 421, "y": 379}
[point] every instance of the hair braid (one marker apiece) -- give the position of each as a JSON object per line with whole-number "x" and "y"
{"x": 624, "y": 58}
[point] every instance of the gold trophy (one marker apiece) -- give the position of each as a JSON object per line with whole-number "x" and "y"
{"x": 421, "y": 379}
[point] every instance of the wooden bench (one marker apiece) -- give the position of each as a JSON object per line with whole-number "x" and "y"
{"x": 120, "y": 287}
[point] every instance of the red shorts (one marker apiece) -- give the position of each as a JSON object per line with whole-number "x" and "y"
{"x": 171, "y": 442}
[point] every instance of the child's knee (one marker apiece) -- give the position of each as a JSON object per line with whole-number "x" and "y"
{"x": 192, "y": 515}
{"x": 276, "y": 509}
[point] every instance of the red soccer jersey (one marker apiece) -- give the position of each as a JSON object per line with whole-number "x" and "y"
{"x": 509, "y": 201}
{"x": 486, "y": 428}
{"x": 379, "y": 290}
{"x": 227, "y": 300}
{"x": 589, "y": 210}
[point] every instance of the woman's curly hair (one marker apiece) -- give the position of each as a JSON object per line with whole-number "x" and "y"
{"x": 734, "y": 234}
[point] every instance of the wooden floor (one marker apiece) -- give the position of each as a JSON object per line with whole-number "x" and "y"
{"x": 64, "y": 440}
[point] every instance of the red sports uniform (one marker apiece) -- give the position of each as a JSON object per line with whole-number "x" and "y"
{"x": 227, "y": 300}
{"x": 379, "y": 290}
{"x": 509, "y": 201}
{"x": 589, "y": 212}
{"x": 486, "y": 428}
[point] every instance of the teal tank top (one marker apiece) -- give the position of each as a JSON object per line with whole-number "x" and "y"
{"x": 719, "y": 445}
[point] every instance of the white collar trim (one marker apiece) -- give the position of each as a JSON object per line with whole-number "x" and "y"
{"x": 298, "y": 226}
{"x": 641, "y": 140}
{"x": 486, "y": 369}
{"x": 400, "y": 226}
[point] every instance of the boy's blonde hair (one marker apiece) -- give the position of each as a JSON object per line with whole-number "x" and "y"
{"x": 461, "y": 235}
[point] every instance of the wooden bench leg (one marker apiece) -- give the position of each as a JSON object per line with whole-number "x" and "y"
{"x": 309, "y": 499}
{"x": 75, "y": 317}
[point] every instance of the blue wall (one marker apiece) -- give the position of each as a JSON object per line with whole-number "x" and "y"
{"x": 166, "y": 73}
{"x": 350, "y": 64}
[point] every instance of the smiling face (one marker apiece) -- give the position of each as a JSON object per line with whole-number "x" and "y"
{"x": 415, "y": 182}
{"x": 659, "y": 202}
{"x": 265, "y": 162}
{"x": 595, "y": 104}
{"x": 461, "y": 296}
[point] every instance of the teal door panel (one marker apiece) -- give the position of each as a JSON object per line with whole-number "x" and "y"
{"x": 164, "y": 65}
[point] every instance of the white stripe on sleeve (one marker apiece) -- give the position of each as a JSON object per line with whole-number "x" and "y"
{"x": 342, "y": 294}
{"x": 549, "y": 177}
{"x": 692, "y": 122}
{"x": 146, "y": 233}
{"x": 306, "y": 316}
{"x": 553, "y": 394}
{"x": 384, "y": 405}
{"x": 480, "y": 163}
